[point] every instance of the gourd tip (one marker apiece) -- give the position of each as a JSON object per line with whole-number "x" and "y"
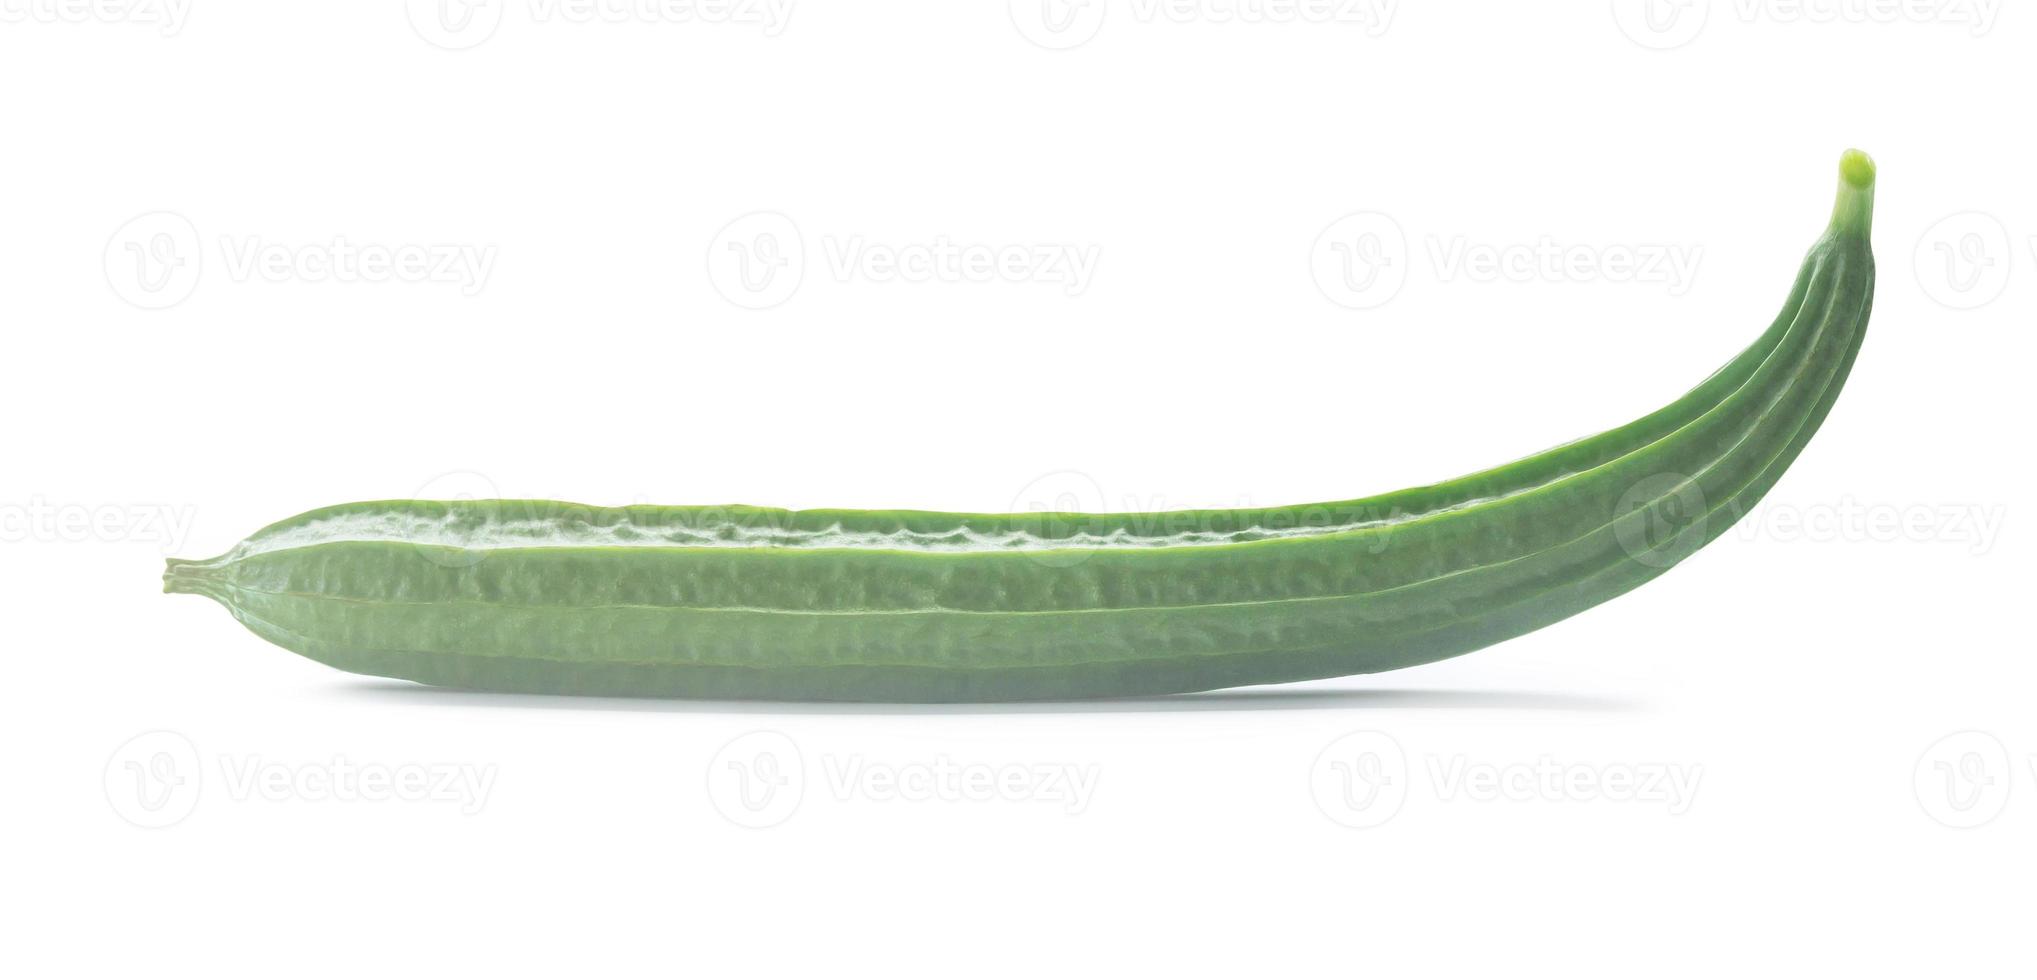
{"x": 1853, "y": 214}
{"x": 179, "y": 575}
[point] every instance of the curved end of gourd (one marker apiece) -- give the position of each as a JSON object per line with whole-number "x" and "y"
{"x": 1854, "y": 212}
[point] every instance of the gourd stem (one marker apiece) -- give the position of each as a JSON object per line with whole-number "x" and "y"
{"x": 185, "y": 576}
{"x": 1853, "y": 214}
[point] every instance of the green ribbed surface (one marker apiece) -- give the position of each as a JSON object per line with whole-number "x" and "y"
{"x": 916, "y": 606}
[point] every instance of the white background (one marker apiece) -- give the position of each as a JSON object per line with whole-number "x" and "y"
{"x": 190, "y": 355}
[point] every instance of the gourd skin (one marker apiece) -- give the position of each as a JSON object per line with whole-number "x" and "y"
{"x": 739, "y": 602}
